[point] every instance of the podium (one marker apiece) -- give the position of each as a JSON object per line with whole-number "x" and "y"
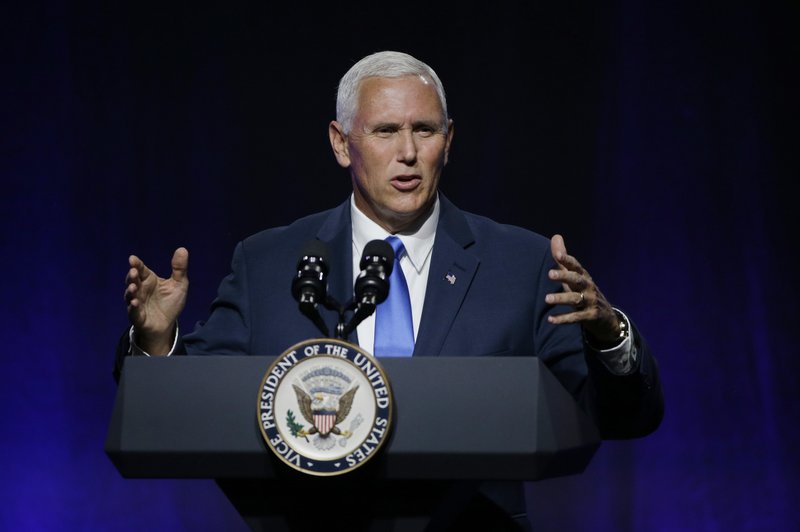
{"x": 457, "y": 421}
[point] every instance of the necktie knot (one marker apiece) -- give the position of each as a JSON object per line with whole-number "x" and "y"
{"x": 397, "y": 246}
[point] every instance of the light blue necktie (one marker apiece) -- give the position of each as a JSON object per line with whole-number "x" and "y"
{"x": 394, "y": 330}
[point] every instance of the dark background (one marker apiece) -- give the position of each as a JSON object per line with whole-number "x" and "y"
{"x": 660, "y": 140}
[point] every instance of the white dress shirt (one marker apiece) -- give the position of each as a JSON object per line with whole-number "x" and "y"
{"x": 415, "y": 262}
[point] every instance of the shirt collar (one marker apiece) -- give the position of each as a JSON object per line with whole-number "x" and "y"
{"x": 418, "y": 244}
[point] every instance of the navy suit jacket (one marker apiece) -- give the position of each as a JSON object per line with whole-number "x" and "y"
{"x": 495, "y": 307}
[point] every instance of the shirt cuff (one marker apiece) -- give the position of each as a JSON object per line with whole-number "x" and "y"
{"x": 621, "y": 359}
{"x": 135, "y": 350}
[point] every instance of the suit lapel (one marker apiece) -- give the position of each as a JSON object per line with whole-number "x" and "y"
{"x": 337, "y": 232}
{"x": 451, "y": 274}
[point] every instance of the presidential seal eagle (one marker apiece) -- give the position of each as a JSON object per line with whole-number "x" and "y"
{"x": 324, "y": 411}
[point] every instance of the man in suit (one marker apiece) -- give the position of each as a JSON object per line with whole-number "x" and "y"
{"x": 477, "y": 287}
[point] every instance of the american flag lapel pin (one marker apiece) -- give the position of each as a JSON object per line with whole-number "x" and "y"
{"x": 450, "y": 277}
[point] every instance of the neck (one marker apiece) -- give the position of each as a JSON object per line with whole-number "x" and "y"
{"x": 394, "y": 224}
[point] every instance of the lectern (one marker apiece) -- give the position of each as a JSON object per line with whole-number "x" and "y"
{"x": 457, "y": 420}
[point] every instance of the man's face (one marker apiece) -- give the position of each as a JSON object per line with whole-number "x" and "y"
{"x": 396, "y": 150}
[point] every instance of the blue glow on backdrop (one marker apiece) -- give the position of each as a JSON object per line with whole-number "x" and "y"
{"x": 660, "y": 140}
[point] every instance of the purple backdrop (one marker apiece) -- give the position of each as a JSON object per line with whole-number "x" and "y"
{"x": 661, "y": 141}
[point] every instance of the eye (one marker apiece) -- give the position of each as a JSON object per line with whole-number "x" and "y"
{"x": 385, "y": 131}
{"x": 425, "y": 130}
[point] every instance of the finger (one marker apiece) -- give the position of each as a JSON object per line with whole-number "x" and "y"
{"x": 570, "y": 263}
{"x": 557, "y": 248}
{"x": 572, "y": 280}
{"x": 136, "y": 263}
{"x": 180, "y": 264}
{"x": 133, "y": 308}
{"x": 572, "y": 283}
{"x": 132, "y": 276}
{"x": 143, "y": 271}
{"x": 132, "y": 299}
{"x": 135, "y": 313}
{"x": 130, "y": 293}
{"x": 570, "y": 317}
{"x": 578, "y": 299}
{"x": 559, "y": 251}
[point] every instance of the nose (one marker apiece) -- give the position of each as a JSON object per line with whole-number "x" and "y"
{"x": 407, "y": 146}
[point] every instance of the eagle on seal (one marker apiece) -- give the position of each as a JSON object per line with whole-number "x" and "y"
{"x": 324, "y": 411}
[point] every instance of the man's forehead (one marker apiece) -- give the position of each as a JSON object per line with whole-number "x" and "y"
{"x": 406, "y": 98}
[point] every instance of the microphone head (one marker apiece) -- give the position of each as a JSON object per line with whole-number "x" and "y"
{"x": 314, "y": 251}
{"x": 310, "y": 282}
{"x": 380, "y": 252}
{"x": 377, "y": 262}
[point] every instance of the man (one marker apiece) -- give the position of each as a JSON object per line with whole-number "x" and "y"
{"x": 392, "y": 132}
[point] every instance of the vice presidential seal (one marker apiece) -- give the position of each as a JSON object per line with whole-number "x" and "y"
{"x": 325, "y": 407}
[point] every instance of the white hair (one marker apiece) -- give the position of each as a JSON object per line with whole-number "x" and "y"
{"x": 386, "y": 64}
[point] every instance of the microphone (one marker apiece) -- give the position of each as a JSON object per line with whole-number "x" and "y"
{"x": 310, "y": 284}
{"x": 372, "y": 283}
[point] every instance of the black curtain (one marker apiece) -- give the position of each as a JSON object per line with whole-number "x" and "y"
{"x": 660, "y": 140}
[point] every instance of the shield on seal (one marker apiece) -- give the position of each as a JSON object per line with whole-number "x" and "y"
{"x": 324, "y": 420}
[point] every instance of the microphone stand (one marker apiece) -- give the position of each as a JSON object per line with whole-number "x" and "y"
{"x": 309, "y": 310}
{"x": 344, "y": 327}
{"x": 371, "y": 287}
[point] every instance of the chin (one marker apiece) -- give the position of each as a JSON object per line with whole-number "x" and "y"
{"x": 405, "y": 219}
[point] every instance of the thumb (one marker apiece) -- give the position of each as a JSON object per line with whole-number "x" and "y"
{"x": 180, "y": 264}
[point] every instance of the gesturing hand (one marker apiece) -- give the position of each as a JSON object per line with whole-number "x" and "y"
{"x": 591, "y": 308}
{"x": 154, "y": 303}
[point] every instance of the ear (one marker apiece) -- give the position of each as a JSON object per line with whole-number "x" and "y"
{"x": 449, "y": 141}
{"x": 339, "y": 144}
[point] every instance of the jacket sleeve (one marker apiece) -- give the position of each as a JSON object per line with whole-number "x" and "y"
{"x": 625, "y": 406}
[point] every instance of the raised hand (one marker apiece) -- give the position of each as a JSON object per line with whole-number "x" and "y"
{"x": 154, "y": 303}
{"x": 591, "y": 308}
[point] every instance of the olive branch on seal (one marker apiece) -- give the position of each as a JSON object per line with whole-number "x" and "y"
{"x": 294, "y": 427}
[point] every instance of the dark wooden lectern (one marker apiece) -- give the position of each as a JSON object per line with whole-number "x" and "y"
{"x": 463, "y": 419}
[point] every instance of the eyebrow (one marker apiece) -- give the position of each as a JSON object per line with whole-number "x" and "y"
{"x": 414, "y": 125}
